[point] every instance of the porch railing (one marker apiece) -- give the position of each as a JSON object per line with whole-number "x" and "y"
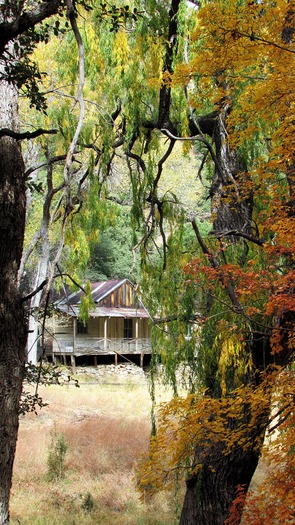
{"x": 96, "y": 345}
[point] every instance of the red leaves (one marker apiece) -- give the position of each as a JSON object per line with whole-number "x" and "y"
{"x": 237, "y": 507}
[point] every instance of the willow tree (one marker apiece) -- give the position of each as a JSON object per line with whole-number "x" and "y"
{"x": 210, "y": 91}
{"x": 167, "y": 90}
{"x": 240, "y": 54}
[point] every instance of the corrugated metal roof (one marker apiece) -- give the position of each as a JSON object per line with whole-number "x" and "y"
{"x": 106, "y": 312}
{"x": 99, "y": 291}
{"x": 107, "y": 288}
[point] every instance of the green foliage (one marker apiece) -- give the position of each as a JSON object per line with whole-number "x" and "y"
{"x": 56, "y": 457}
{"x": 112, "y": 256}
{"x": 117, "y": 16}
{"x": 87, "y": 502}
{"x": 86, "y": 304}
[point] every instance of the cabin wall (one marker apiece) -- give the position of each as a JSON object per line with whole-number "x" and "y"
{"x": 122, "y": 297}
{"x": 63, "y": 325}
{"x": 115, "y": 327}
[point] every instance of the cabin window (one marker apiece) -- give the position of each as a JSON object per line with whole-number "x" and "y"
{"x": 128, "y": 329}
{"x": 81, "y": 328}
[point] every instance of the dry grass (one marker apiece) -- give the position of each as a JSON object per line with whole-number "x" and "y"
{"x": 106, "y": 427}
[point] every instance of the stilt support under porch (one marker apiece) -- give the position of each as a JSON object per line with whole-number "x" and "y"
{"x": 91, "y": 359}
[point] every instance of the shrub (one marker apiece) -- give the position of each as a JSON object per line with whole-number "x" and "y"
{"x": 87, "y": 502}
{"x": 56, "y": 457}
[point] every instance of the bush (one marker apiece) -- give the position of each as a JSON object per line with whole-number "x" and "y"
{"x": 56, "y": 457}
{"x": 87, "y": 502}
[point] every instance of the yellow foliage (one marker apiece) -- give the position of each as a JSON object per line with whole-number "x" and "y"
{"x": 121, "y": 51}
{"x": 232, "y": 355}
{"x": 184, "y": 424}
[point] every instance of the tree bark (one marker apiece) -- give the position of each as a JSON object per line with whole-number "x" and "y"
{"x": 231, "y": 198}
{"x": 13, "y": 325}
{"x": 13, "y": 332}
{"x": 210, "y": 493}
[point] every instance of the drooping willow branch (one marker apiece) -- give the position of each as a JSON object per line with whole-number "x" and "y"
{"x": 203, "y": 140}
{"x": 71, "y": 13}
{"x": 79, "y": 95}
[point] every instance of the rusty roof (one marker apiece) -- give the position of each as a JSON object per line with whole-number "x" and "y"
{"x": 69, "y": 304}
{"x": 99, "y": 291}
{"x": 104, "y": 311}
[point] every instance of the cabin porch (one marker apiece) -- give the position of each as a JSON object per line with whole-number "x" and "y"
{"x": 92, "y": 349}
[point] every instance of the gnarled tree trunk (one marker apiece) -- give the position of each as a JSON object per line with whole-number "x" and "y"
{"x": 210, "y": 492}
{"x": 13, "y": 331}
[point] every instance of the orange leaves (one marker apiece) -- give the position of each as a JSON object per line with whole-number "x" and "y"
{"x": 283, "y": 298}
{"x": 199, "y": 422}
{"x": 251, "y": 285}
{"x": 190, "y": 428}
{"x": 273, "y": 502}
{"x": 237, "y": 507}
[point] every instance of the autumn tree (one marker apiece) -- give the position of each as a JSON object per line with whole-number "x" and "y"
{"x": 240, "y": 57}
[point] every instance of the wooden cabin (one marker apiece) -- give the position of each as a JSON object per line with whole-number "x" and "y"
{"x": 118, "y": 326}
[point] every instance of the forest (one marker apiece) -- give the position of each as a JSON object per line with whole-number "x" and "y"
{"x": 154, "y": 140}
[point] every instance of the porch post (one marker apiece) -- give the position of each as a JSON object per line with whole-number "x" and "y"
{"x": 74, "y": 332}
{"x": 136, "y": 334}
{"x": 105, "y": 332}
{"x": 73, "y": 358}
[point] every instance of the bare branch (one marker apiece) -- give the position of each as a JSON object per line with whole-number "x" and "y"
{"x": 44, "y": 283}
{"x": 198, "y": 138}
{"x": 244, "y": 235}
{"x": 53, "y": 160}
{"x": 204, "y": 248}
{"x": 253, "y": 37}
{"x": 5, "y": 132}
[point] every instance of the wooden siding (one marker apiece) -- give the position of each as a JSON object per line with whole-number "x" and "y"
{"x": 122, "y": 297}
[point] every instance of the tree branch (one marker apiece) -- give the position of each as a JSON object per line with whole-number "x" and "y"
{"x": 198, "y": 138}
{"x": 53, "y": 160}
{"x": 79, "y": 95}
{"x": 27, "y": 20}
{"x": 44, "y": 283}
{"x": 238, "y": 233}
{"x": 5, "y": 132}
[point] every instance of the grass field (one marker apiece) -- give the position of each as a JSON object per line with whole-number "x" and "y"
{"x": 106, "y": 428}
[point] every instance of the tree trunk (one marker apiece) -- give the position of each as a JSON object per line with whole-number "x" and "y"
{"x": 231, "y": 197}
{"x": 210, "y": 493}
{"x": 231, "y": 200}
{"x": 212, "y": 490}
{"x": 13, "y": 332}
